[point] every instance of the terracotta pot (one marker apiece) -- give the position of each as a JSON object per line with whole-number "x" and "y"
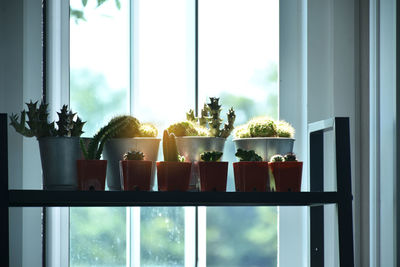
{"x": 173, "y": 176}
{"x": 91, "y": 174}
{"x": 213, "y": 176}
{"x": 251, "y": 176}
{"x": 135, "y": 175}
{"x": 287, "y": 175}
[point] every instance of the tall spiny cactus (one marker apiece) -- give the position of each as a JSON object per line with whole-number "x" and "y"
{"x": 228, "y": 127}
{"x": 37, "y": 124}
{"x": 96, "y": 145}
{"x": 169, "y": 148}
{"x": 214, "y": 120}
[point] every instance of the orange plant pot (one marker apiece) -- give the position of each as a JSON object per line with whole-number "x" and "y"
{"x": 251, "y": 176}
{"x": 213, "y": 176}
{"x": 287, "y": 175}
{"x": 91, "y": 174}
{"x": 135, "y": 175}
{"x": 173, "y": 176}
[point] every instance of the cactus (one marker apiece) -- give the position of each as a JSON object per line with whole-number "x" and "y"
{"x": 284, "y": 129}
{"x": 169, "y": 148}
{"x": 95, "y": 147}
{"x": 187, "y": 128}
{"x": 262, "y": 127}
{"x": 277, "y": 158}
{"x": 245, "y": 155}
{"x": 211, "y": 156}
{"x": 130, "y": 128}
{"x": 214, "y": 120}
{"x": 190, "y": 116}
{"x": 228, "y": 127}
{"x": 290, "y": 157}
{"x": 39, "y": 126}
{"x": 242, "y": 132}
{"x": 133, "y": 155}
{"x": 202, "y": 120}
{"x": 66, "y": 124}
{"x": 147, "y": 130}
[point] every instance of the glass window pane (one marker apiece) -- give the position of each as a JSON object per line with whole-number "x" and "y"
{"x": 97, "y": 236}
{"x": 99, "y": 89}
{"x": 162, "y": 236}
{"x": 238, "y": 62}
{"x": 99, "y": 61}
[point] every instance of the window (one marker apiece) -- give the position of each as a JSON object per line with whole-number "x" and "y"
{"x": 138, "y": 57}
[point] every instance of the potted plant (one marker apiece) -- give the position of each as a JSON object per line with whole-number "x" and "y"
{"x": 213, "y": 172}
{"x": 173, "y": 173}
{"x": 251, "y": 173}
{"x": 59, "y": 147}
{"x": 204, "y": 133}
{"x": 286, "y": 172}
{"x": 133, "y": 136}
{"x": 91, "y": 169}
{"x": 135, "y": 172}
{"x": 265, "y": 136}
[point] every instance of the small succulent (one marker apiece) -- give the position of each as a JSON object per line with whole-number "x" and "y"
{"x": 277, "y": 158}
{"x": 169, "y": 148}
{"x": 211, "y": 155}
{"x": 247, "y": 155}
{"x": 290, "y": 157}
{"x": 133, "y": 155}
{"x": 37, "y": 124}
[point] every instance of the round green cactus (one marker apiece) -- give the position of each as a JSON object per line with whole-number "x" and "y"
{"x": 130, "y": 129}
{"x": 262, "y": 127}
{"x": 290, "y": 157}
{"x": 147, "y": 130}
{"x": 277, "y": 158}
{"x": 187, "y": 128}
{"x": 284, "y": 129}
{"x": 242, "y": 131}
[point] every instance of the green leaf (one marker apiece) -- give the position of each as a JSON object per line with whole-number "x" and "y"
{"x": 84, "y": 2}
{"x": 100, "y": 2}
{"x": 118, "y": 4}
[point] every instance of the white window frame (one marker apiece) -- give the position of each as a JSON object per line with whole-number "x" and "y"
{"x": 58, "y": 55}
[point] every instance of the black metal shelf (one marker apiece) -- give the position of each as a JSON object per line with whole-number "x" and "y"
{"x": 40, "y": 198}
{"x": 314, "y": 199}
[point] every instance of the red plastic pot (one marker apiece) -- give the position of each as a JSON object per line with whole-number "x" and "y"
{"x": 91, "y": 174}
{"x": 213, "y": 176}
{"x": 173, "y": 176}
{"x": 135, "y": 175}
{"x": 287, "y": 175}
{"x": 251, "y": 176}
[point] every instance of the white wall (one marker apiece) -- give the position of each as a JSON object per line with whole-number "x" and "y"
{"x": 21, "y": 81}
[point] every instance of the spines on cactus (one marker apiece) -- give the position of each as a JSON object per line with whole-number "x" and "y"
{"x": 203, "y": 120}
{"x": 133, "y": 155}
{"x": 214, "y": 120}
{"x": 228, "y": 127}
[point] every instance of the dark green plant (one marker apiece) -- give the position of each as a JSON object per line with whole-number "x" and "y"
{"x": 38, "y": 125}
{"x": 95, "y": 147}
{"x": 211, "y": 155}
{"x": 247, "y": 155}
{"x": 133, "y": 155}
{"x": 290, "y": 157}
{"x": 277, "y": 158}
{"x": 169, "y": 148}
